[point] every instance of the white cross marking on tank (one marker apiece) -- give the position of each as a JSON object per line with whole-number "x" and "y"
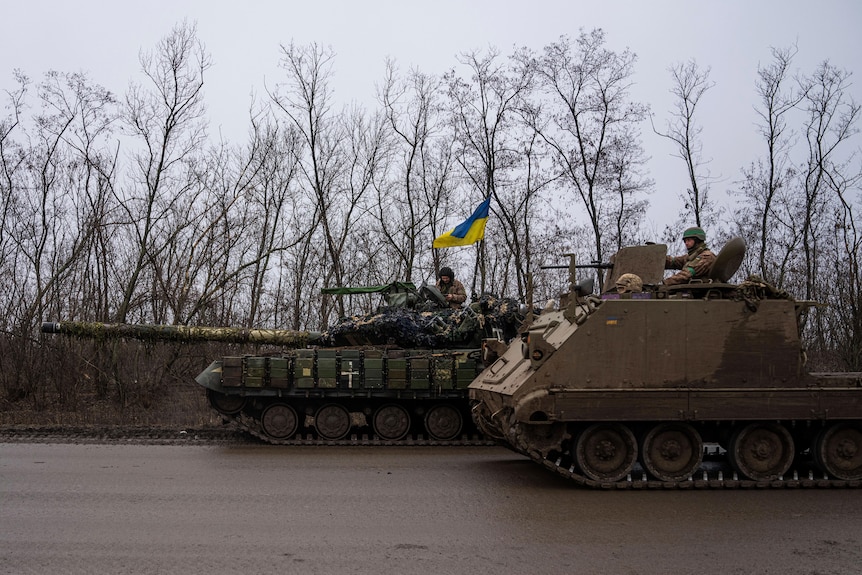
{"x": 350, "y": 374}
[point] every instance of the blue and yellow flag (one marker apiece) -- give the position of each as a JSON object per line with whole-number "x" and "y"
{"x": 467, "y": 232}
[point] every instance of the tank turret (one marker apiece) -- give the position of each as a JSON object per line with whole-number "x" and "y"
{"x": 700, "y": 384}
{"x": 421, "y": 318}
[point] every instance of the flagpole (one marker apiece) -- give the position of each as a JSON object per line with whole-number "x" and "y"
{"x": 480, "y": 263}
{"x": 475, "y": 268}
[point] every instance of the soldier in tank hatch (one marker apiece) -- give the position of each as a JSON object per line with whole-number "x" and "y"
{"x": 695, "y": 264}
{"x": 629, "y": 283}
{"x": 452, "y": 289}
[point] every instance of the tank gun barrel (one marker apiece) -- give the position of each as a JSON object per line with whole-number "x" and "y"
{"x": 182, "y": 333}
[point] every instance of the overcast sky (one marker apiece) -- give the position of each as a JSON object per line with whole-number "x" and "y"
{"x": 103, "y": 39}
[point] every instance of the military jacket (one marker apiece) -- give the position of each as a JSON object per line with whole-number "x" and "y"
{"x": 693, "y": 265}
{"x": 456, "y": 288}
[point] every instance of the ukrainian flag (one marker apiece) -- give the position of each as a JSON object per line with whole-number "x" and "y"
{"x": 469, "y": 231}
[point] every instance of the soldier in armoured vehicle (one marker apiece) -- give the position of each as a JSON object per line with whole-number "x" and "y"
{"x": 452, "y": 289}
{"x": 629, "y": 283}
{"x": 696, "y": 263}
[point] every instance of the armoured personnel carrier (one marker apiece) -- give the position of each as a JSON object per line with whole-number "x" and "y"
{"x": 400, "y": 374}
{"x": 697, "y": 385}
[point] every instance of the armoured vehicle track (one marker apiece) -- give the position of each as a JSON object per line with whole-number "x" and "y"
{"x": 713, "y": 475}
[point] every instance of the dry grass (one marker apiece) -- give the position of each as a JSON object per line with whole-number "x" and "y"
{"x": 117, "y": 384}
{"x": 181, "y": 409}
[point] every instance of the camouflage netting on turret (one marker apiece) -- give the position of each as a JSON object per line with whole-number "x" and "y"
{"x": 429, "y": 329}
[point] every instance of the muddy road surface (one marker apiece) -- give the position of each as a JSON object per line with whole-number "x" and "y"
{"x": 233, "y": 508}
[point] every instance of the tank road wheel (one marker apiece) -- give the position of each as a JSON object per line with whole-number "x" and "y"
{"x": 606, "y": 451}
{"x": 838, "y": 451}
{"x": 762, "y": 451}
{"x": 672, "y": 451}
{"x": 391, "y": 422}
{"x": 443, "y": 422}
{"x": 279, "y": 421}
{"x": 225, "y": 404}
{"x": 332, "y": 421}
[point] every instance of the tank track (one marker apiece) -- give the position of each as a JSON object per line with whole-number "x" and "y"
{"x": 712, "y": 475}
{"x": 251, "y": 426}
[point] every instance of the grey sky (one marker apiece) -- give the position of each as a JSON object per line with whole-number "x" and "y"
{"x": 103, "y": 38}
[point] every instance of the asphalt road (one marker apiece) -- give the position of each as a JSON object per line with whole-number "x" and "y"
{"x": 427, "y": 510}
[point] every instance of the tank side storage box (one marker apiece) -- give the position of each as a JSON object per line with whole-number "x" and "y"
{"x": 279, "y": 372}
{"x": 396, "y": 370}
{"x": 373, "y": 369}
{"x": 465, "y": 370}
{"x": 254, "y": 371}
{"x": 442, "y": 372}
{"x": 327, "y": 367}
{"x": 420, "y": 372}
{"x": 231, "y": 371}
{"x": 303, "y": 368}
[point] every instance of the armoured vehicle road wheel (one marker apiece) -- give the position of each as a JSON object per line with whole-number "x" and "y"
{"x": 838, "y": 451}
{"x": 443, "y": 422}
{"x": 332, "y": 421}
{"x": 540, "y": 437}
{"x": 606, "y": 451}
{"x": 391, "y": 422}
{"x": 672, "y": 451}
{"x": 762, "y": 451}
{"x": 225, "y": 404}
{"x": 279, "y": 421}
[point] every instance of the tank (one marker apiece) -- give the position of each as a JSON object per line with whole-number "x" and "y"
{"x": 397, "y": 375}
{"x": 697, "y": 385}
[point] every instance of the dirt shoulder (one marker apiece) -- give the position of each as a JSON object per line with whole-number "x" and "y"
{"x": 105, "y": 434}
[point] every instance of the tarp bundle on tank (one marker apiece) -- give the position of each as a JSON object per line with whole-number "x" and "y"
{"x": 396, "y": 294}
{"x": 755, "y": 288}
{"x": 406, "y": 327}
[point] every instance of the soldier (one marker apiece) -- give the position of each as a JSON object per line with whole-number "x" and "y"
{"x": 629, "y": 283}
{"x": 452, "y": 289}
{"x": 695, "y": 264}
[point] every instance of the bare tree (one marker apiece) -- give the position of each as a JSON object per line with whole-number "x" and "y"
{"x": 527, "y": 208}
{"x": 831, "y": 120}
{"x": 305, "y": 98}
{"x": 274, "y": 189}
{"x": 846, "y": 310}
{"x": 54, "y": 201}
{"x": 593, "y": 132}
{"x": 628, "y": 180}
{"x": 168, "y": 124}
{"x": 418, "y": 196}
{"x": 768, "y": 213}
{"x": 367, "y": 158}
{"x": 690, "y": 83}
{"x": 12, "y": 162}
{"x": 485, "y": 125}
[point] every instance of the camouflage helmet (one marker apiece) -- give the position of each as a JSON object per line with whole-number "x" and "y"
{"x": 696, "y": 233}
{"x": 629, "y": 283}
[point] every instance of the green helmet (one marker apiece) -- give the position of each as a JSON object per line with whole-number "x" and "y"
{"x": 696, "y": 233}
